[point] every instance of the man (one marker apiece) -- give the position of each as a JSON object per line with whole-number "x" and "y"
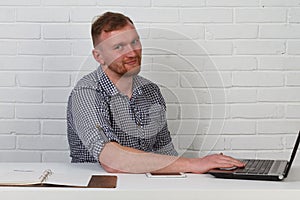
{"x": 117, "y": 118}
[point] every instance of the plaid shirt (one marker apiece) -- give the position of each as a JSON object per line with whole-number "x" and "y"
{"x": 98, "y": 113}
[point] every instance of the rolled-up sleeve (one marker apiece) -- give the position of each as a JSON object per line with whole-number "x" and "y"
{"x": 90, "y": 116}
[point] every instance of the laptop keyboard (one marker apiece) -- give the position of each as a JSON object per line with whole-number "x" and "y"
{"x": 255, "y": 167}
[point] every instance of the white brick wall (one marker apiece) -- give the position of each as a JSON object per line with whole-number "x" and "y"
{"x": 229, "y": 71}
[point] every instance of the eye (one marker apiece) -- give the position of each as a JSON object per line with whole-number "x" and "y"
{"x": 118, "y": 47}
{"x": 135, "y": 42}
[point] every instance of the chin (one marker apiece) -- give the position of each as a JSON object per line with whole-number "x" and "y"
{"x": 134, "y": 71}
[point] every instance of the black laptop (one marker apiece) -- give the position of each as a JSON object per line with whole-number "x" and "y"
{"x": 273, "y": 170}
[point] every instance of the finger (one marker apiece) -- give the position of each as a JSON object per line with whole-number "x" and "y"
{"x": 230, "y": 160}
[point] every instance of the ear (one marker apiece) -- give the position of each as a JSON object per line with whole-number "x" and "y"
{"x": 98, "y": 57}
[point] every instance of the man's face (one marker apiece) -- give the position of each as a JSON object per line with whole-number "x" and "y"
{"x": 121, "y": 51}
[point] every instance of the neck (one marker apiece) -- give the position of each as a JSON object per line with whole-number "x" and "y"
{"x": 123, "y": 83}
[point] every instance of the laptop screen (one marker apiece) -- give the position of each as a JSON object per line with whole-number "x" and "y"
{"x": 293, "y": 155}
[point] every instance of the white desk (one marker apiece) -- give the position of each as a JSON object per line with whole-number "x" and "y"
{"x": 138, "y": 186}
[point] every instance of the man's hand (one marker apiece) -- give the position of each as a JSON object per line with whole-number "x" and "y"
{"x": 204, "y": 164}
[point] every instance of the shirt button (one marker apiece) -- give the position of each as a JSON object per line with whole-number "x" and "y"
{"x": 139, "y": 125}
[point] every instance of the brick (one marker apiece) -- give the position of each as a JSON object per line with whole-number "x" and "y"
{"x": 293, "y": 47}
{"x": 215, "y": 126}
{"x": 87, "y": 14}
{"x": 82, "y": 48}
{"x": 20, "y": 63}
{"x": 56, "y": 156}
{"x": 160, "y": 15}
{"x": 201, "y": 143}
{"x": 42, "y": 143}
{"x": 256, "y": 111}
{"x": 7, "y": 79}
{"x": 279, "y": 95}
{"x": 20, "y": 31}
{"x": 259, "y": 47}
{"x": 132, "y": 3}
{"x": 173, "y": 111}
{"x": 21, "y": 3}
{"x": 69, "y": 63}
{"x": 185, "y": 95}
{"x": 176, "y": 32}
{"x": 258, "y": 79}
{"x": 293, "y": 15}
{"x": 205, "y": 80}
{"x": 178, "y": 63}
{"x": 21, "y": 95}
{"x": 230, "y": 63}
{"x": 7, "y": 111}
{"x": 237, "y": 31}
{"x": 293, "y": 79}
{"x": 290, "y": 142}
{"x": 241, "y": 95}
{"x": 232, "y": 3}
{"x": 56, "y": 95}
{"x": 209, "y": 48}
{"x": 8, "y": 48}
{"x": 44, "y": 48}
{"x": 7, "y": 142}
{"x": 204, "y": 111}
{"x": 187, "y": 127}
{"x": 147, "y": 63}
{"x": 278, "y": 155}
{"x": 239, "y": 127}
{"x": 279, "y": 63}
{"x": 54, "y": 127}
{"x": 42, "y": 79}
{"x": 44, "y": 14}
{"x": 290, "y": 31}
{"x": 7, "y": 15}
{"x": 19, "y": 127}
{"x": 41, "y": 111}
{"x": 293, "y": 111}
{"x": 214, "y": 96}
{"x": 206, "y": 15}
{"x": 178, "y": 3}
{"x": 261, "y": 15}
{"x": 278, "y": 126}
{"x": 20, "y": 156}
{"x": 160, "y": 47}
{"x": 66, "y": 31}
{"x": 279, "y": 3}
{"x": 163, "y": 78}
{"x": 69, "y": 2}
{"x": 256, "y": 142}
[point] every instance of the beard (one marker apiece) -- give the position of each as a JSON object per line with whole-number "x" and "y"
{"x": 127, "y": 67}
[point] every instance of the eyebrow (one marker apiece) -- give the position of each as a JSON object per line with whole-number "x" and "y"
{"x": 117, "y": 44}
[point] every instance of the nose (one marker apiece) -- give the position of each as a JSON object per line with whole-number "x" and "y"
{"x": 130, "y": 51}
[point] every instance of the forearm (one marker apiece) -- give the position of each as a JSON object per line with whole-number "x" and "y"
{"x": 117, "y": 158}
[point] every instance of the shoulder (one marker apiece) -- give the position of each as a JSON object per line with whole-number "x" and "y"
{"x": 87, "y": 81}
{"x": 86, "y": 89}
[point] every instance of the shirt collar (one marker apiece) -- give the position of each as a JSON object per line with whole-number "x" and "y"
{"x": 106, "y": 83}
{"x": 108, "y": 86}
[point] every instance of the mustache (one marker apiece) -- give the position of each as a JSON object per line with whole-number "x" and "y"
{"x": 132, "y": 59}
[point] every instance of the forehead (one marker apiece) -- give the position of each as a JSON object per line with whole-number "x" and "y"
{"x": 128, "y": 32}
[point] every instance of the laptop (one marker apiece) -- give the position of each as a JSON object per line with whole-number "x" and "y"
{"x": 255, "y": 169}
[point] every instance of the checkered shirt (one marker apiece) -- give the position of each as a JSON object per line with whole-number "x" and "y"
{"x": 98, "y": 113}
